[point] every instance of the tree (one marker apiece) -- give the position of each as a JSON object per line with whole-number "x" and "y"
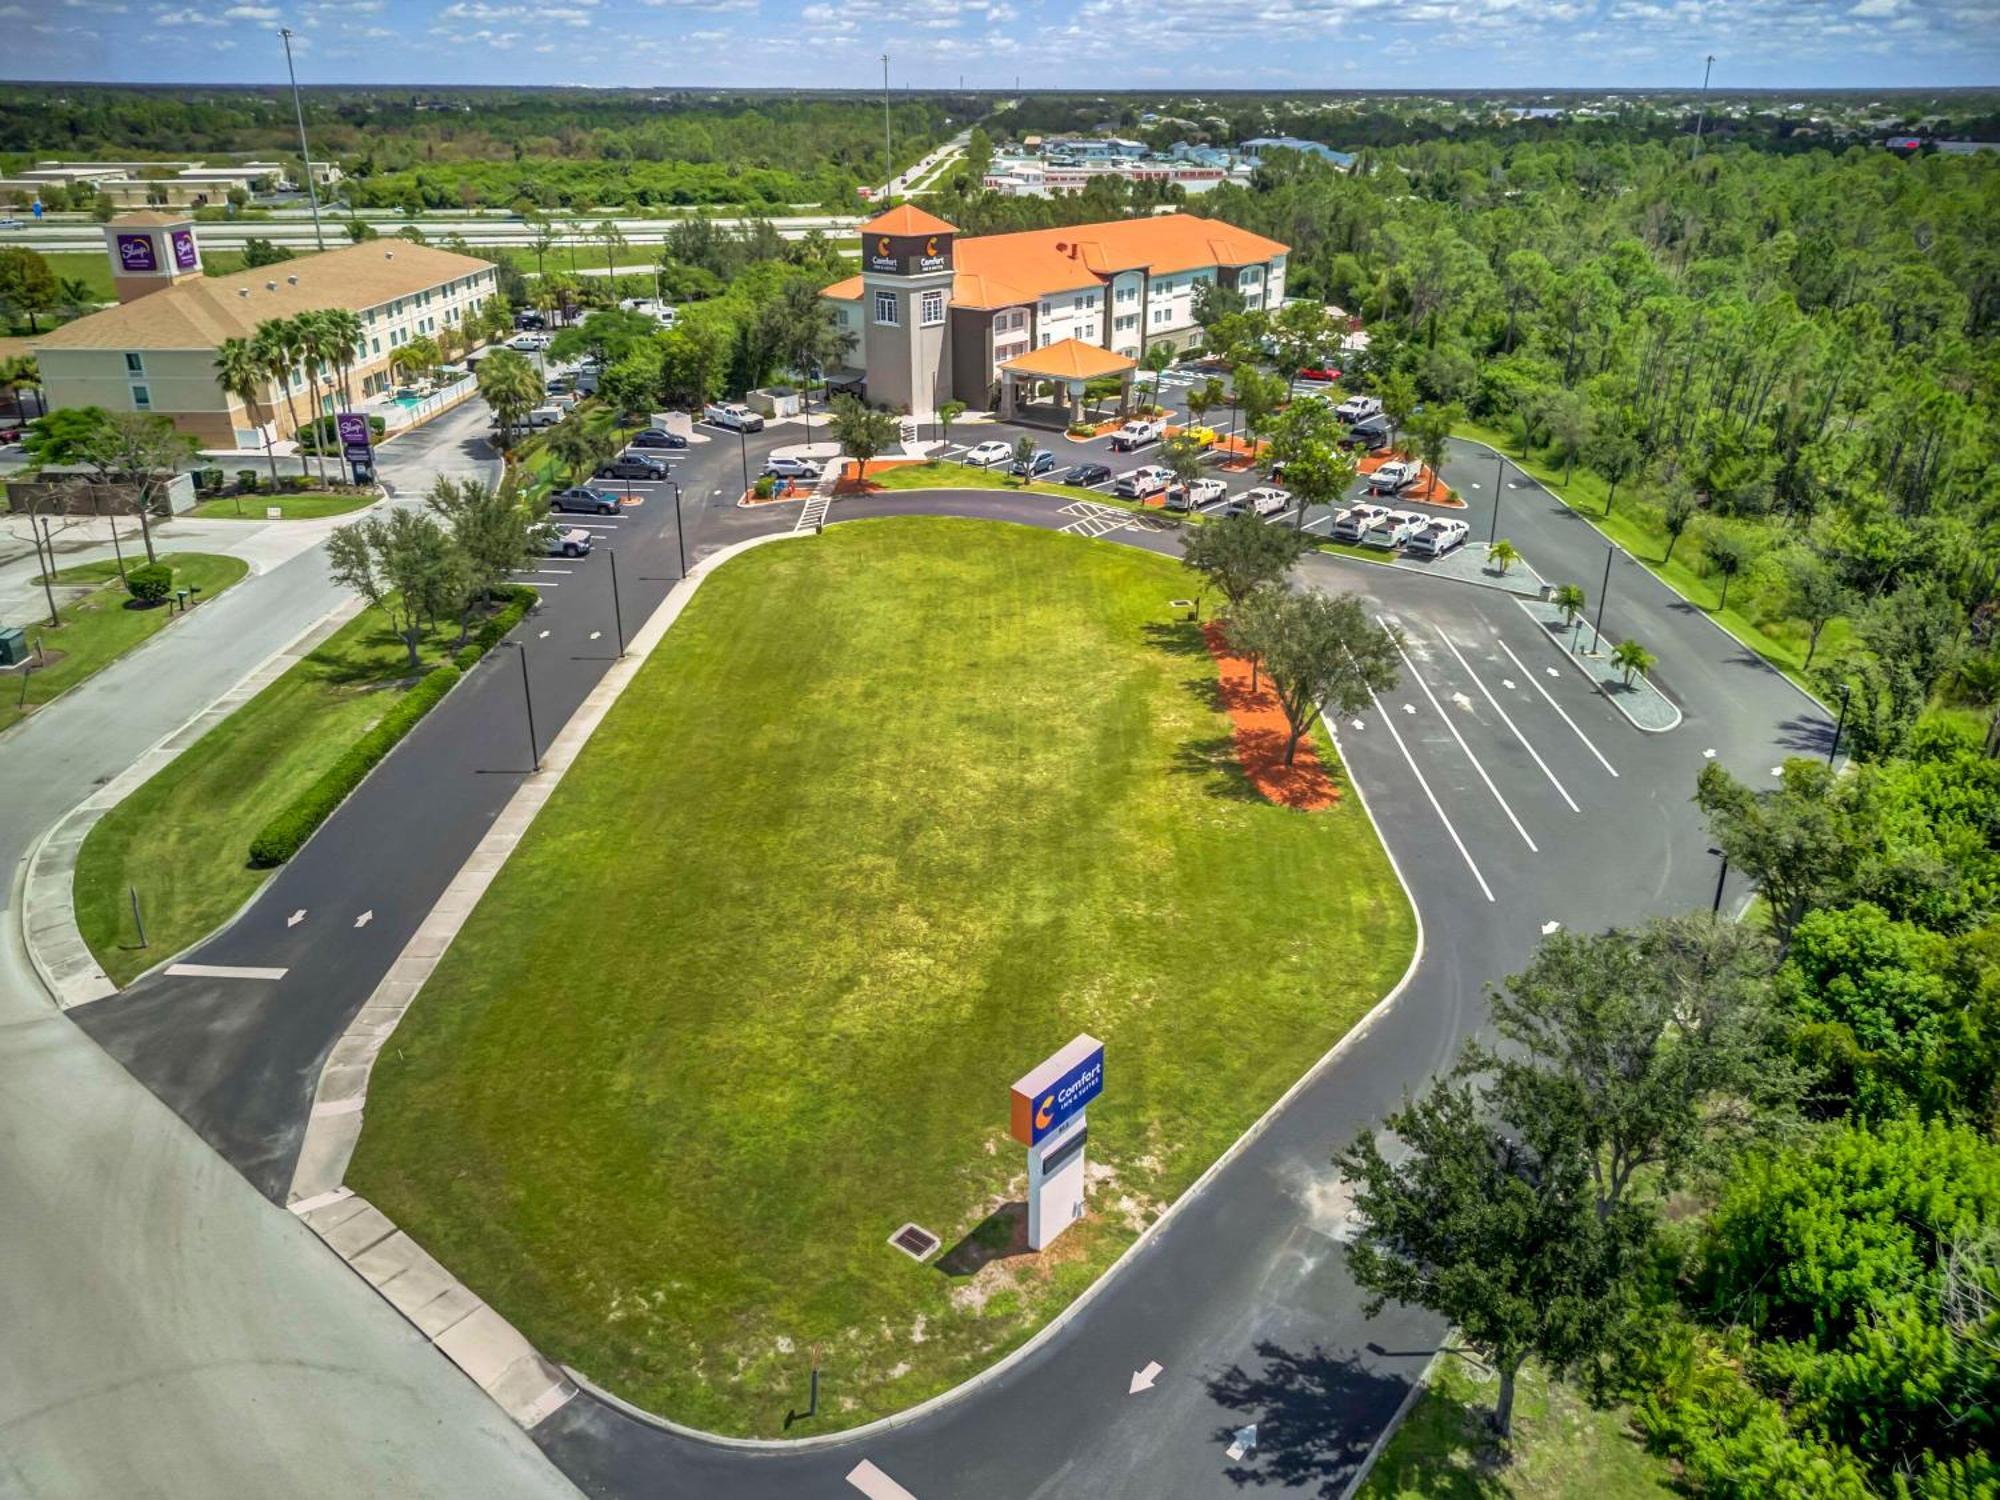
{"x": 579, "y": 447}
{"x": 241, "y": 374}
{"x": 150, "y": 584}
{"x": 359, "y": 229}
{"x": 1024, "y": 453}
{"x": 142, "y": 451}
{"x": 1181, "y": 455}
{"x": 1318, "y": 468}
{"x": 277, "y": 346}
{"x": 1214, "y": 302}
{"x": 1503, "y": 554}
{"x": 1814, "y": 593}
{"x": 1240, "y": 554}
{"x": 1729, "y": 554}
{"x": 1321, "y": 652}
{"x": 64, "y": 435}
{"x": 404, "y": 565}
{"x": 74, "y": 297}
{"x": 1661, "y": 1045}
{"x": 1566, "y": 417}
{"x": 1300, "y": 331}
{"x": 1399, "y": 401}
{"x": 1494, "y": 1229}
{"x": 1801, "y": 842}
{"x": 1571, "y": 600}
{"x": 1677, "y": 516}
{"x": 1431, "y": 431}
{"x": 1633, "y": 659}
{"x": 262, "y": 252}
{"x": 861, "y": 431}
{"x": 509, "y": 385}
{"x": 1155, "y": 361}
{"x": 418, "y": 356}
{"x": 493, "y": 530}
{"x": 1614, "y": 453}
{"x": 1259, "y": 394}
{"x": 343, "y": 327}
{"x": 26, "y": 283}
{"x": 949, "y": 412}
{"x": 613, "y": 240}
{"x": 317, "y": 348}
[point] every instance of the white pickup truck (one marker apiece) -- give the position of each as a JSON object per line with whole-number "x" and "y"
{"x": 1395, "y": 477}
{"x": 1139, "y": 483}
{"x": 1136, "y": 434}
{"x": 1358, "y": 409}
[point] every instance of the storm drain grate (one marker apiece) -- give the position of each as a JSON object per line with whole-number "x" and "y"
{"x": 914, "y": 1241}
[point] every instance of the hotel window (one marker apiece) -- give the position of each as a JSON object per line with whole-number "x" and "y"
{"x": 1045, "y": 341}
{"x": 1127, "y": 323}
{"x": 142, "y": 398}
{"x": 1163, "y": 315}
{"x": 1045, "y": 307}
{"x": 885, "y": 309}
{"x": 933, "y": 308}
{"x": 134, "y": 365}
{"x": 375, "y": 345}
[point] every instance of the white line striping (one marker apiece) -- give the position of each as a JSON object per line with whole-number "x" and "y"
{"x": 1508, "y": 721}
{"x": 1142, "y": 1380}
{"x": 1556, "y": 706}
{"x": 1436, "y": 806}
{"x": 1509, "y": 811}
{"x": 876, "y": 1485}
{"x": 223, "y": 971}
{"x": 296, "y": 917}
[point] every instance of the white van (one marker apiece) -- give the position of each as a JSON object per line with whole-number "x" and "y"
{"x": 545, "y": 416}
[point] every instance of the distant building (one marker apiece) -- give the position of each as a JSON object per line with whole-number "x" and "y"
{"x": 1260, "y": 144}
{"x": 158, "y": 184}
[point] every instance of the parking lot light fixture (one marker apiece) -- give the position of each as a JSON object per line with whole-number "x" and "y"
{"x": 617, "y": 612}
{"x": 1715, "y": 907}
{"x": 1499, "y": 476}
{"x": 743, "y": 448}
{"x": 1604, "y": 593}
{"x": 528, "y": 696}
{"x": 680, "y": 544}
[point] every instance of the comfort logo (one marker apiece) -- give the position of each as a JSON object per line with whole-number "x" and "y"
{"x": 882, "y": 245}
{"x": 1044, "y": 1112}
{"x": 930, "y": 245}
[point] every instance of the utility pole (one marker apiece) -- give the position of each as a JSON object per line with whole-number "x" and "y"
{"x": 299, "y": 110}
{"x": 888, "y": 159}
{"x": 1701, "y": 114}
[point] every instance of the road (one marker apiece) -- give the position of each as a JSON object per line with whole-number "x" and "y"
{"x": 1501, "y": 821}
{"x": 169, "y": 1331}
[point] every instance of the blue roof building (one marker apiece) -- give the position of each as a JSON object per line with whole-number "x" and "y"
{"x": 1265, "y": 143}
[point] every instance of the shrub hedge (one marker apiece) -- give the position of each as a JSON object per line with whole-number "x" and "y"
{"x": 151, "y": 583}
{"x": 285, "y": 834}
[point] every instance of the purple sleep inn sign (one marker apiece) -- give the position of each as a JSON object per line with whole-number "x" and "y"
{"x": 353, "y": 429}
{"x": 186, "y": 257}
{"x": 135, "y": 253}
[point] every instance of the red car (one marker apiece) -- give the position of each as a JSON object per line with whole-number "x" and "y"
{"x": 9, "y": 435}
{"x": 1318, "y": 372}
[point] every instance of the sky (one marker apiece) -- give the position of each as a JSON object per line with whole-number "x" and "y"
{"x": 1109, "y": 44}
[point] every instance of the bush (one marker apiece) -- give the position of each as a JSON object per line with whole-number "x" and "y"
{"x": 150, "y": 584}
{"x": 521, "y": 599}
{"x": 765, "y": 487}
{"x": 246, "y": 481}
{"x": 208, "y": 481}
{"x": 285, "y": 834}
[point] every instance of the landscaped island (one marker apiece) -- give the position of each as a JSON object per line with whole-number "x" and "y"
{"x": 889, "y": 815}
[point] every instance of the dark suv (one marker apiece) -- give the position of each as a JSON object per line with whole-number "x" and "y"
{"x": 634, "y": 466}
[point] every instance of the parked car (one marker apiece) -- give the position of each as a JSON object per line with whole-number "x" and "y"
{"x": 1395, "y": 476}
{"x": 1318, "y": 372}
{"x": 1136, "y": 434}
{"x": 582, "y": 497}
{"x": 1147, "y": 479}
{"x": 1041, "y": 461}
{"x": 1358, "y": 409}
{"x": 1267, "y": 500}
{"x": 1394, "y": 529}
{"x": 1352, "y": 524}
{"x": 733, "y": 415}
{"x": 1202, "y": 492}
{"x": 791, "y": 468}
{"x": 10, "y": 435}
{"x": 545, "y": 416}
{"x": 528, "y": 343}
{"x": 1436, "y": 539}
{"x": 635, "y": 466}
{"x": 1372, "y": 434}
{"x": 1087, "y": 474}
{"x": 657, "y": 437}
{"x": 528, "y": 319}
{"x": 989, "y": 454}
{"x": 566, "y": 541}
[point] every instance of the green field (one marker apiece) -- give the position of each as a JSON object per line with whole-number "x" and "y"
{"x": 891, "y": 814}
{"x": 93, "y": 269}
{"x": 97, "y": 628}
{"x": 182, "y": 839}
{"x": 294, "y": 506}
{"x": 1563, "y": 1448}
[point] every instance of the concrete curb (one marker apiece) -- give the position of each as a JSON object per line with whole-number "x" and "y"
{"x": 63, "y": 960}
{"x": 1584, "y": 516}
{"x": 463, "y": 1327}
{"x": 973, "y": 1384}
{"x": 1402, "y": 1412}
{"x": 1603, "y": 687}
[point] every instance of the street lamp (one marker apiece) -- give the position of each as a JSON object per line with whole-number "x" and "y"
{"x": 1499, "y": 476}
{"x": 1715, "y": 906}
{"x": 528, "y": 696}
{"x": 1603, "y": 593}
{"x": 617, "y": 613}
{"x": 680, "y": 545}
{"x": 1839, "y": 723}
{"x": 743, "y": 448}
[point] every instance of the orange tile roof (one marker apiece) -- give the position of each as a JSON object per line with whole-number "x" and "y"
{"x": 846, "y": 289}
{"x": 907, "y": 219}
{"x": 1070, "y": 359}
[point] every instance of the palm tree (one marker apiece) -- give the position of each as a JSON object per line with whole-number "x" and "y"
{"x": 242, "y": 374}
{"x": 74, "y": 296}
{"x": 1633, "y": 658}
{"x": 1570, "y": 600}
{"x": 1156, "y": 360}
{"x": 1503, "y": 555}
{"x": 1199, "y": 400}
{"x": 579, "y": 449}
{"x": 319, "y": 349}
{"x": 27, "y": 376}
{"x": 510, "y": 386}
{"x": 614, "y": 241}
{"x": 346, "y": 326}
{"x": 276, "y": 346}
{"x": 949, "y": 413}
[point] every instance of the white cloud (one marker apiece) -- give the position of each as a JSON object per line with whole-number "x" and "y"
{"x": 187, "y": 18}
{"x": 252, "y": 13}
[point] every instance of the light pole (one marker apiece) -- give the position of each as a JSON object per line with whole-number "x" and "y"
{"x": 528, "y": 696}
{"x": 1603, "y": 593}
{"x": 743, "y": 449}
{"x": 1715, "y": 906}
{"x": 1701, "y": 115}
{"x": 680, "y": 545}
{"x": 1499, "y": 476}
{"x": 1839, "y": 723}
{"x": 305, "y": 155}
{"x": 888, "y": 158}
{"x": 617, "y": 614}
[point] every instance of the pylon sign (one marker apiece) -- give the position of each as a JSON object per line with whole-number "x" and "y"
{"x": 1048, "y": 1118}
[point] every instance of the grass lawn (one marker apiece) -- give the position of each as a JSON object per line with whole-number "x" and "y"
{"x": 93, "y": 269}
{"x": 1563, "y": 1448}
{"x": 295, "y": 506}
{"x": 1634, "y": 525}
{"x": 97, "y": 628}
{"x": 183, "y": 838}
{"x": 890, "y": 815}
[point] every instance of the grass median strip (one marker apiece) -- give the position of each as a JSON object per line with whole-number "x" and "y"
{"x": 99, "y": 627}
{"x": 182, "y": 840}
{"x": 887, "y": 817}
{"x": 291, "y": 506}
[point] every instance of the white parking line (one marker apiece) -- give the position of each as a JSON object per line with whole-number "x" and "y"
{"x": 538, "y": 572}
{"x": 1436, "y": 806}
{"x": 876, "y": 1485}
{"x": 1476, "y": 765}
{"x": 223, "y": 971}
{"x": 1508, "y": 721}
{"x": 1556, "y": 706}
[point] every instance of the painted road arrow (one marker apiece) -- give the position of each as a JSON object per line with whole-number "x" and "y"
{"x": 1142, "y": 1380}
{"x": 296, "y": 917}
{"x": 365, "y": 918}
{"x": 1246, "y": 1442}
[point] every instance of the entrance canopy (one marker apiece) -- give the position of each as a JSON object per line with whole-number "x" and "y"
{"x": 1070, "y": 365}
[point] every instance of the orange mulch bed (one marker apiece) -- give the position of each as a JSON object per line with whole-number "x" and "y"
{"x": 1261, "y": 731}
{"x": 851, "y": 483}
{"x": 791, "y": 489}
{"x": 1430, "y": 490}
